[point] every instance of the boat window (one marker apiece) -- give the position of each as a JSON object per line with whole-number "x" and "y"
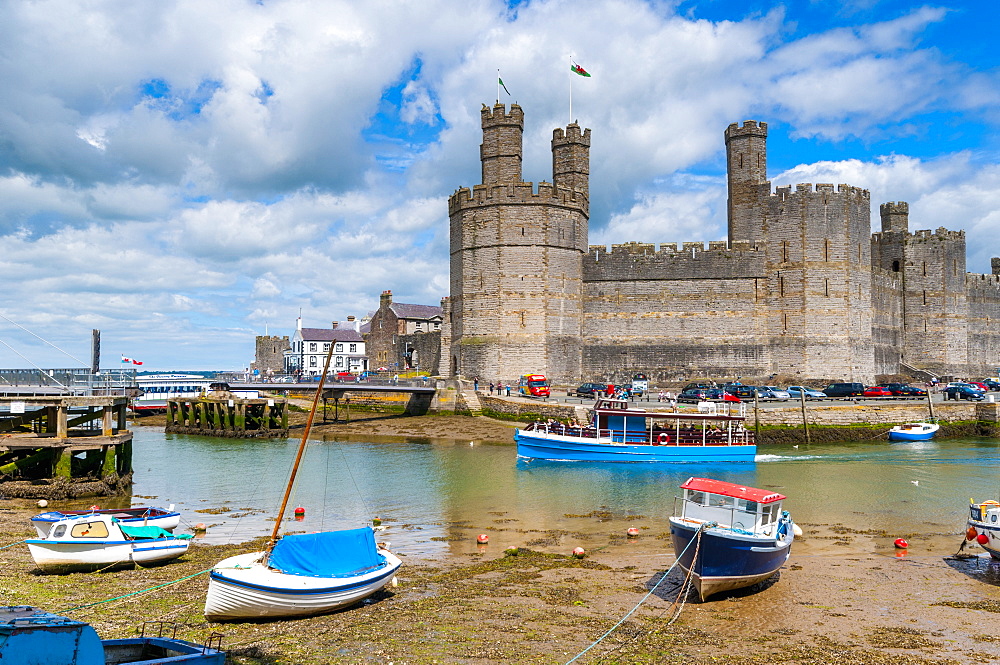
{"x": 724, "y": 501}
{"x": 749, "y": 506}
{"x": 59, "y": 531}
{"x": 90, "y": 530}
{"x": 993, "y": 518}
{"x": 697, "y": 497}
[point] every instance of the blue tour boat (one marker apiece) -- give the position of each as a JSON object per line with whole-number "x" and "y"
{"x": 728, "y": 536}
{"x": 914, "y": 431}
{"x": 620, "y": 433}
{"x": 29, "y": 636}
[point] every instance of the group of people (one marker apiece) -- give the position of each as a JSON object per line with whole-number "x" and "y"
{"x": 667, "y": 397}
{"x": 500, "y": 388}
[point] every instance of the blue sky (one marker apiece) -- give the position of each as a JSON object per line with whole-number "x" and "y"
{"x": 182, "y": 175}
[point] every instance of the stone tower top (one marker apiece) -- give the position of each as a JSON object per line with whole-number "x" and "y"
{"x": 571, "y": 158}
{"x": 500, "y": 152}
{"x": 749, "y": 128}
{"x": 895, "y": 216}
{"x": 746, "y": 165}
{"x": 995, "y": 262}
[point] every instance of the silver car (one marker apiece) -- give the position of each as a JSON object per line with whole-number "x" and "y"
{"x": 774, "y": 392}
{"x": 796, "y": 391}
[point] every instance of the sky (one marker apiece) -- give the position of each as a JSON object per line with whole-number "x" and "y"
{"x": 185, "y": 175}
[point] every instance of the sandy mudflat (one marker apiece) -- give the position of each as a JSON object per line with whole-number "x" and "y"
{"x": 843, "y": 597}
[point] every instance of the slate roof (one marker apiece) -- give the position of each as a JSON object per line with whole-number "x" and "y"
{"x": 331, "y": 335}
{"x": 425, "y": 312}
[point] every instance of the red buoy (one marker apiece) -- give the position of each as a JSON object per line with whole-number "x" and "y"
{"x": 95, "y": 507}
{"x": 300, "y": 511}
{"x": 632, "y": 531}
{"x": 982, "y": 539}
{"x": 200, "y": 526}
{"x": 970, "y": 533}
{"x": 579, "y": 552}
{"x": 901, "y": 544}
{"x": 482, "y": 539}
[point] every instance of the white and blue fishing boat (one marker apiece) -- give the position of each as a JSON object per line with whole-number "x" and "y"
{"x": 165, "y": 518}
{"x": 300, "y": 574}
{"x": 619, "y": 433}
{"x": 922, "y": 431}
{"x": 93, "y": 541}
{"x": 984, "y": 526}
{"x": 29, "y": 636}
{"x": 729, "y": 536}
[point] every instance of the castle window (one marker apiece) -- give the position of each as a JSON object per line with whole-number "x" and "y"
{"x": 784, "y": 321}
{"x": 741, "y": 160}
{"x": 781, "y": 285}
{"x": 826, "y": 287}
{"x": 826, "y": 250}
{"x": 925, "y": 268}
{"x": 895, "y": 266}
{"x": 925, "y": 298}
{"x": 784, "y": 250}
{"x": 522, "y": 230}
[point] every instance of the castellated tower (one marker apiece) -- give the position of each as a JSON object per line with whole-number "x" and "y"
{"x": 746, "y": 160}
{"x": 818, "y": 262}
{"x": 932, "y": 281}
{"x": 516, "y": 258}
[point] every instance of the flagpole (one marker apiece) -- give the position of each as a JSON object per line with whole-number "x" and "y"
{"x": 570, "y": 90}
{"x": 498, "y": 85}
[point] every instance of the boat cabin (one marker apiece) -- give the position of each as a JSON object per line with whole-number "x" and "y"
{"x": 615, "y": 420}
{"x": 743, "y": 509}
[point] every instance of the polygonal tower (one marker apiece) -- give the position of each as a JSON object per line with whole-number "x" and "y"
{"x": 746, "y": 163}
{"x": 516, "y": 258}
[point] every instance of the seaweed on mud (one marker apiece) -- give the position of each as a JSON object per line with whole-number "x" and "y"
{"x": 983, "y": 605}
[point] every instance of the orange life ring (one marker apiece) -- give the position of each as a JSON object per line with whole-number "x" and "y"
{"x": 663, "y": 438}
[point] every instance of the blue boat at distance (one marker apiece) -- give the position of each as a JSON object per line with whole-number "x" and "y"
{"x": 923, "y": 431}
{"x": 619, "y": 433}
{"x": 29, "y": 636}
{"x": 729, "y": 536}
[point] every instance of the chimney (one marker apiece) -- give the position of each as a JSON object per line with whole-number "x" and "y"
{"x": 385, "y": 300}
{"x": 335, "y": 324}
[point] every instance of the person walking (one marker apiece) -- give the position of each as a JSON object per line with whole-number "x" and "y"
{"x": 508, "y": 390}
{"x": 475, "y": 384}
{"x": 491, "y": 387}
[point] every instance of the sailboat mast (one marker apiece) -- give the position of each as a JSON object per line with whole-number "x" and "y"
{"x": 302, "y": 448}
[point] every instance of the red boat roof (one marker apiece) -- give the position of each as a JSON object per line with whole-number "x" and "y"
{"x": 731, "y": 489}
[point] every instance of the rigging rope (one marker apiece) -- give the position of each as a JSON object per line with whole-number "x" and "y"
{"x": 644, "y": 598}
{"x": 42, "y": 339}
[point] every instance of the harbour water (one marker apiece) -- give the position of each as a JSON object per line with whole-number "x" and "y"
{"x": 436, "y": 495}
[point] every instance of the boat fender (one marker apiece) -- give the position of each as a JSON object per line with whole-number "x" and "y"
{"x": 900, "y": 544}
{"x": 797, "y": 530}
{"x": 982, "y": 539}
{"x": 971, "y": 533}
{"x": 663, "y": 438}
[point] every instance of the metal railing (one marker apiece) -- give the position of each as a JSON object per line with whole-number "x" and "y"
{"x": 73, "y": 380}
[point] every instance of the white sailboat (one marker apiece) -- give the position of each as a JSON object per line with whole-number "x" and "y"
{"x": 300, "y": 574}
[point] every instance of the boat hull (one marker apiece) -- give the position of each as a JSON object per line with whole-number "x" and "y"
{"x": 241, "y": 587}
{"x": 726, "y": 560}
{"x": 915, "y": 432}
{"x": 543, "y": 445}
{"x": 61, "y": 556}
{"x": 992, "y": 533}
{"x": 165, "y": 519}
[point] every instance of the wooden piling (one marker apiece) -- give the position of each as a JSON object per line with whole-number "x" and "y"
{"x": 805, "y": 416}
{"x": 226, "y": 416}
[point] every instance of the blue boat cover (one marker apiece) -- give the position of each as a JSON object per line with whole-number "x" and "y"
{"x": 151, "y": 532}
{"x": 327, "y": 554}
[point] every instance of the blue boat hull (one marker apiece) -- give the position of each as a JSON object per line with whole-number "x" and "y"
{"x": 727, "y": 560}
{"x": 906, "y": 436}
{"x": 541, "y": 445}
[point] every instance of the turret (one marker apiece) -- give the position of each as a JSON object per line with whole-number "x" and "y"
{"x": 501, "y": 150}
{"x": 995, "y": 262}
{"x": 571, "y": 159}
{"x": 895, "y": 216}
{"x": 746, "y": 157}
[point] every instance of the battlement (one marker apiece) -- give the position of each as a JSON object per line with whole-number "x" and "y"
{"x": 894, "y": 208}
{"x": 498, "y": 116}
{"x": 941, "y": 234}
{"x": 974, "y": 279}
{"x": 806, "y": 189}
{"x": 749, "y": 128}
{"x": 995, "y": 265}
{"x": 571, "y": 134}
{"x": 670, "y": 249}
{"x": 517, "y": 193}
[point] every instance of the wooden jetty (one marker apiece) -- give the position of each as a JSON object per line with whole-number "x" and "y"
{"x": 64, "y": 446}
{"x": 221, "y": 414}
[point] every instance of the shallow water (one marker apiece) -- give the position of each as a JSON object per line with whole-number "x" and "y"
{"x": 436, "y": 495}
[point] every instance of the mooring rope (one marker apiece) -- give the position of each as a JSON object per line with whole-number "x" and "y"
{"x": 643, "y": 600}
{"x": 12, "y": 544}
{"x": 134, "y": 593}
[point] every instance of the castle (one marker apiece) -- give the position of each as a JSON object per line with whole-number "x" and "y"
{"x": 802, "y": 287}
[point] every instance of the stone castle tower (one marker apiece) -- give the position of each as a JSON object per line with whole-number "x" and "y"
{"x": 516, "y": 250}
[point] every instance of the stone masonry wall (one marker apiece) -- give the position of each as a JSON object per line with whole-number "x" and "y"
{"x": 984, "y": 324}
{"x": 269, "y": 355}
{"x": 887, "y": 321}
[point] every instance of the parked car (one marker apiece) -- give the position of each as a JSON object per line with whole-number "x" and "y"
{"x": 964, "y": 384}
{"x": 774, "y": 392}
{"x": 693, "y": 396}
{"x": 979, "y": 384}
{"x": 368, "y": 374}
{"x": 344, "y": 377}
{"x": 904, "y": 390}
{"x": 698, "y": 386}
{"x": 963, "y": 392}
{"x": 795, "y": 392}
{"x": 991, "y": 384}
{"x": 877, "y": 391}
{"x": 844, "y": 390}
{"x": 744, "y": 392}
{"x": 590, "y": 389}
